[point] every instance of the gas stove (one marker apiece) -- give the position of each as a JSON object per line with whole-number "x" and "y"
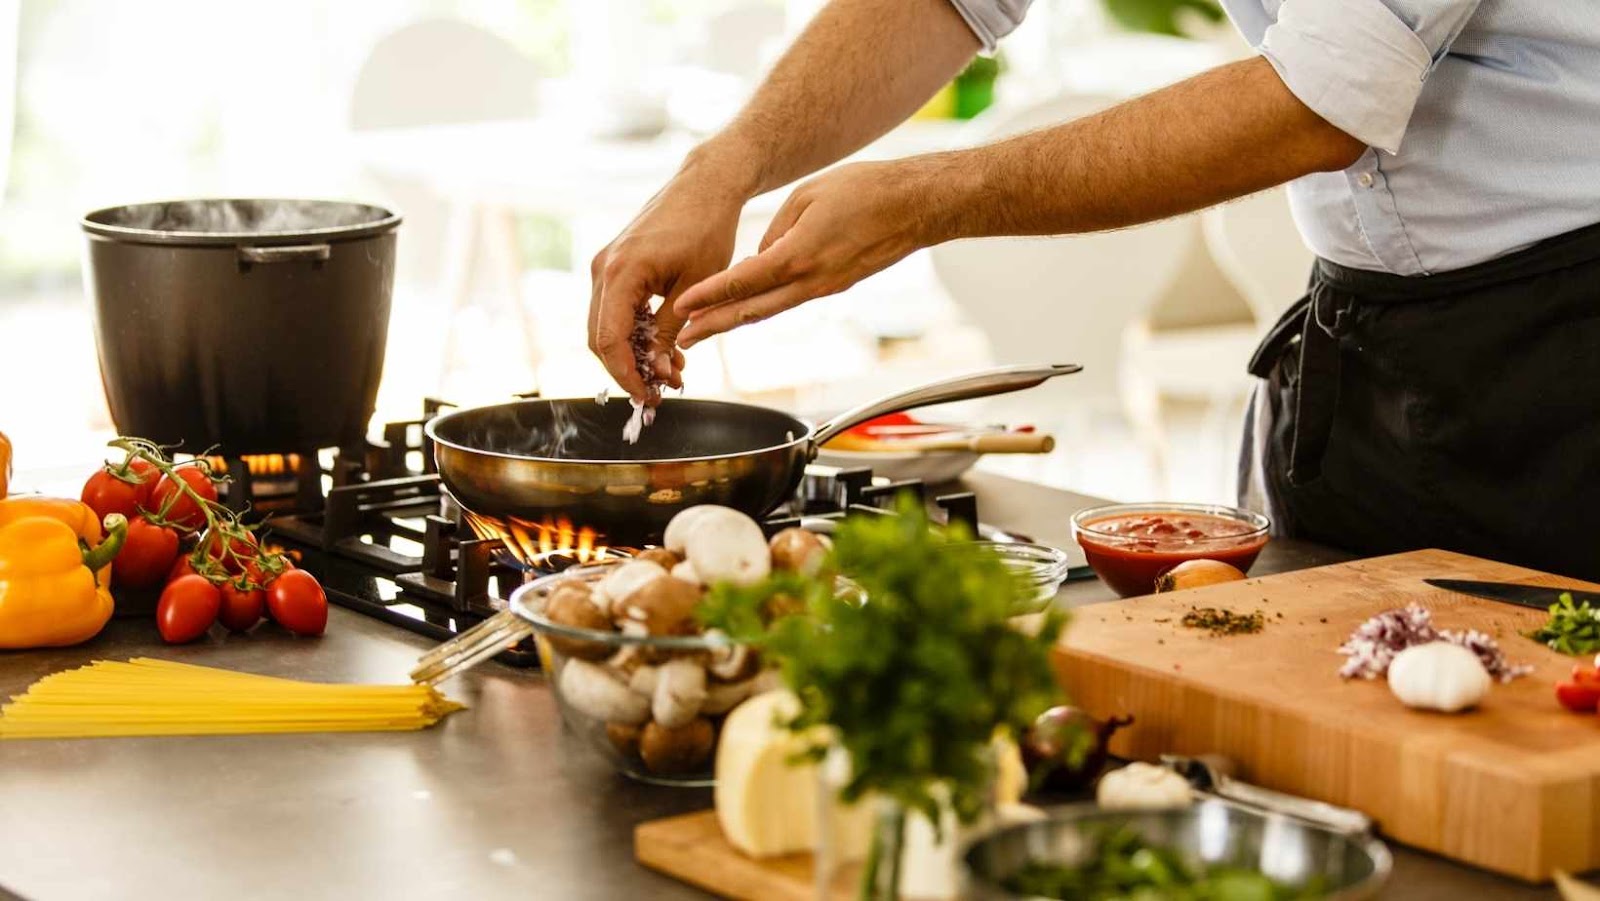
{"x": 386, "y": 540}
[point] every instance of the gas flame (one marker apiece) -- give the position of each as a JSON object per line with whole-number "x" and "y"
{"x": 532, "y": 543}
{"x": 260, "y": 464}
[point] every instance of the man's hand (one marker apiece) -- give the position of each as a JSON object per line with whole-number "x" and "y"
{"x": 832, "y": 232}
{"x": 683, "y": 235}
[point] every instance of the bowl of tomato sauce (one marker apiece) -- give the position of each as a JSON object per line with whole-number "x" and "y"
{"x": 1130, "y": 545}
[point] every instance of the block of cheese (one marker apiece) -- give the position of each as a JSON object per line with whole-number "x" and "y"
{"x": 768, "y": 805}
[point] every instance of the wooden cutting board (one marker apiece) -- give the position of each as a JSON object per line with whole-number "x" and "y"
{"x": 1513, "y": 786}
{"x": 691, "y": 848}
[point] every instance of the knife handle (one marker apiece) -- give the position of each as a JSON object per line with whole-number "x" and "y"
{"x": 1339, "y": 819}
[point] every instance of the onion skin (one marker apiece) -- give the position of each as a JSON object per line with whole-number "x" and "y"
{"x": 1047, "y": 749}
{"x": 1196, "y": 573}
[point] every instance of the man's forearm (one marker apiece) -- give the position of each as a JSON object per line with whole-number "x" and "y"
{"x": 860, "y": 68}
{"x": 1218, "y": 136}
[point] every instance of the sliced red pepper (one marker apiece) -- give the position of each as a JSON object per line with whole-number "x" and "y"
{"x": 1578, "y": 697}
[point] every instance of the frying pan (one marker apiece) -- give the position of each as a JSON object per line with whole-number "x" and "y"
{"x": 545, "y": 459}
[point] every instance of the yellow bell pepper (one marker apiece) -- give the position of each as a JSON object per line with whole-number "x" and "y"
{"x": 55, "y": 581}
{"x": 5, "y": 464}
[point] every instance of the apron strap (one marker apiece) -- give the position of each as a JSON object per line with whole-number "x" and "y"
{"x": 1316, "y": 322}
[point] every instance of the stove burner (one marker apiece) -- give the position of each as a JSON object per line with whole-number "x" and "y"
{"x": 375, "y": 526}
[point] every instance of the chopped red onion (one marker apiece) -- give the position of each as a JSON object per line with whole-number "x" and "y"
{"x": 643, "y": 342}
{"x": 1375, "y": 642}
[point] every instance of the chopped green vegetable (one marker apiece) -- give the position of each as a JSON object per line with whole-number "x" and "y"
{"x": 1222, "y": 621}
{"x": 1127, "y": 868}
{"x": 1574, "y": 628}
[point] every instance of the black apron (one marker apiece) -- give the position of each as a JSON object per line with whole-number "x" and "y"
{"x": 1458, "y": 411}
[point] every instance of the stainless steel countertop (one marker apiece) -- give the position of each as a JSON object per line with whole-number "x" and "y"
{"x": 495, "y": 802}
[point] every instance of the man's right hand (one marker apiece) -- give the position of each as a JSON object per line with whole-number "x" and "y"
{"x": 683, "y": 235}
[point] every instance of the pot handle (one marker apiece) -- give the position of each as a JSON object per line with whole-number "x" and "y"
{"x": 285, "y": 253}
{"x": 965, "y": 387}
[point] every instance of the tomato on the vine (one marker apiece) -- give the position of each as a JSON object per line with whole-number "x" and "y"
{"x": 181, "y": 567}
{"x": 148, "y": 475}
{"x": 234, "y": 551}
{"x": 175, "y": 505}
{"x": 187, "y": 609}
{"x": 297, "y": 602}
{"x": 106, "y": 494}
{"x": 148, "y": 555}
{"x": 241, "y": 607}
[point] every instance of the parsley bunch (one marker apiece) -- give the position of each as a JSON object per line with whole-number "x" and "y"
{"x": 915, "y": 680}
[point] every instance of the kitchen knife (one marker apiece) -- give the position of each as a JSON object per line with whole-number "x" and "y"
{"x": 1539, "y": 597}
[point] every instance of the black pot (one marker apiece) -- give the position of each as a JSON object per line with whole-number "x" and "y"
{"x": 257, "y": 326}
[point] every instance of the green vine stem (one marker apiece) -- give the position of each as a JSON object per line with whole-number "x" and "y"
{"x": 221, "y": 528}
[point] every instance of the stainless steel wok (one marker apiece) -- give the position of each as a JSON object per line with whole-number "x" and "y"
{"x": 535, "y": 459}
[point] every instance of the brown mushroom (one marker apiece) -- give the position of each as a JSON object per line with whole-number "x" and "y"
{"x": 731, "y": 662}
{"x": 660, "y": 556}
{"x": 798, "y": 550}
{"x": 677, "y": 751}
{"x": 572, "y": 603}
{"x": 624, "y": 737}
{"x": 661, "y": 606}
{"x": 680, "y": 690}
{"x": 624, "y": 579}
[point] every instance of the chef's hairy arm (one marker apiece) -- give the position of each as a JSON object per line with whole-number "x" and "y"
{"x": 861, "y": 67}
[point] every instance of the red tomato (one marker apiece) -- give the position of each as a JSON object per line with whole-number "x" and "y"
{"x": 297, "y": 602}
{"x": 147, "y": 555}
{"x": 179, "y": 508}
{"x": 183, "y": 566}
{"x": 240, "y": 548}
{"x": 1579, "y": 697}
{"x": 106, "y": 494}
{"x": 187, "y": 609}
{"x": 241, "y": 609}
{"x": 148, "y": 476}
{"x": 1584, "y": 674}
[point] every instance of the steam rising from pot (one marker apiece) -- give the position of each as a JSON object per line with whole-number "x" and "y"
{"x": 241, "y": 217}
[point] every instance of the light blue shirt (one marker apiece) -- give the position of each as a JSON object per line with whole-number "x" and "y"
{"x": 1482, "y": 120}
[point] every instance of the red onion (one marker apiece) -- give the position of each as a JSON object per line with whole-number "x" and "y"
{"x": 1375, "y": 642}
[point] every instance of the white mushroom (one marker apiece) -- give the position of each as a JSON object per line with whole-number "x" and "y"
{"x": 722, "y": 697}
{"x": 727, "y": 546}
{"x": 625, "y": 579}
{"x": 643, "y": 681}
{"x": 680, "y": 692}
{"x": 730, "y": 662}
{"x": 684, "y": 572}
{"x": 676, "y": 537}
{"x": 597, "y": 692}
{"x": 798, "y": 550}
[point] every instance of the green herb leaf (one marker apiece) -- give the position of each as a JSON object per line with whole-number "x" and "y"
{"x": 1573, "y": 628}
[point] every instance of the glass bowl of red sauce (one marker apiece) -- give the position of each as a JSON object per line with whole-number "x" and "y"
{"x": 1130, "y": 545}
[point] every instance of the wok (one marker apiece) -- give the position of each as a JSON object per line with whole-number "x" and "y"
{"x": 539, "y": 459}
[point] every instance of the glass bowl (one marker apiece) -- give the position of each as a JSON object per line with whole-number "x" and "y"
{"x": 1041, "y": 567}
{"x": 604, "y": 700}
{"x": 1130, "y": 545}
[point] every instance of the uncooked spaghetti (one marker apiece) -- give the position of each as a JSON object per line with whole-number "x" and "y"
{"x": 145, "y": 696}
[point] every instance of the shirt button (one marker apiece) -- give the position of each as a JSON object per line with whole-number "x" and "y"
{"x": 1364, "y": 179}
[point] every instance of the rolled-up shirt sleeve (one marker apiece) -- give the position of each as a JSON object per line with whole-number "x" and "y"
{"x": 1361, "y": 64}
{"x": 992, "y": 20}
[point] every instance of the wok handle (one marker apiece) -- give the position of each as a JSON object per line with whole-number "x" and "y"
{"x": 977, "y": 384}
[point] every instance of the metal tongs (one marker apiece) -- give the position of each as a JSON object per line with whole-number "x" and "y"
{"x": 471, "y": 647}
{"x": 1207, "y": 775}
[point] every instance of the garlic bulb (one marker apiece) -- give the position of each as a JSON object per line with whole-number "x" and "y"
{"x": 1438, "y": 676}
{"x": 1143, "y": 786}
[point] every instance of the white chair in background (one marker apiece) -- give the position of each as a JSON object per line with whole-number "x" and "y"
{"x": 1254, "y": 244}
{"x": 1063, "y": 299}
{"x": 443, "y": 72}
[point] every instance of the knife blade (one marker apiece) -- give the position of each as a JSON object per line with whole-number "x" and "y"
{"x": 1539, "y": 597}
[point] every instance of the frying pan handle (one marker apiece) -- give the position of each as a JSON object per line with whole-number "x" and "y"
{"x": 978, "y": 384}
